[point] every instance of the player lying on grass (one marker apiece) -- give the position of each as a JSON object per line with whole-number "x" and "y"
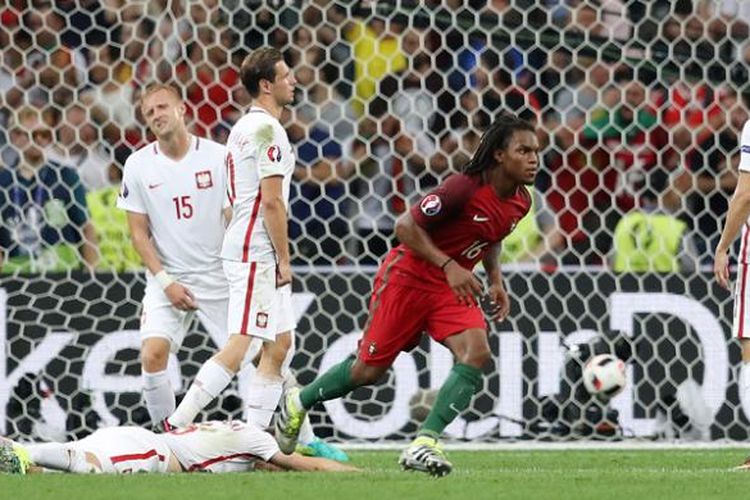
{"x": 231, "y": 446}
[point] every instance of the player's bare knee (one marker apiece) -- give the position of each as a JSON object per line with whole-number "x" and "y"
{"x": 276, "y": 352}
{"x": 470, "y": 347}
{"x": 283, "y": 343}
{"x": 363, "y": 374}
{"x": 231, "y": 355}
{"x": 476, "y": 354}
{"x": 154, "y": 356}
{"x": 230, "y": 359}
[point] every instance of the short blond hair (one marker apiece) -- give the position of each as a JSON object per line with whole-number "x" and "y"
{"x": 155, "y": 87}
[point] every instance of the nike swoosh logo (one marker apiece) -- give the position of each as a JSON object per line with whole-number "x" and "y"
{"x": 479, "y": 218}
{"x": 152, "y": 186}
{"x": 452, "y": 406}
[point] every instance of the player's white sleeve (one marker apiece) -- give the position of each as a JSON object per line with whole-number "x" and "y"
{"x": 131, "y": 193}
{"x": 745, "y": 148}
{"x": 271, "y": 147}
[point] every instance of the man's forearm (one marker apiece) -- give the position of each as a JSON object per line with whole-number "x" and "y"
{"x": 491, "y": 263}
{"x": 146, "y": 250}
{"x": 275, "y": 217}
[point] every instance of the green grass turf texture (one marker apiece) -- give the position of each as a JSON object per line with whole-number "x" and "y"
{"x": 631, "y": 475}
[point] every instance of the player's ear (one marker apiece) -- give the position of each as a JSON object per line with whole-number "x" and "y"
{"x": 498, "y": 155}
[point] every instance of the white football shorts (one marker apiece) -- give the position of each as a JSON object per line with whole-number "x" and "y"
{"x": 126, "y": 450}
{"x": 256, "y": 307}
{"x": 160, "y": 319}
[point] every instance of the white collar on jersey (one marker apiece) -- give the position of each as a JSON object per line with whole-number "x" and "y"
{"x": 258, "y": 109}
{"x": 195, "y": 143}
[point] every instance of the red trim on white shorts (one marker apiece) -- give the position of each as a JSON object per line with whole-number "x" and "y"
{"x": 249, "y": 232}
{"x": 219, "y": 459}
{"x": 743, "y": 284}
{"x": 248, "y": 299}
{"x": 137, "y": 456}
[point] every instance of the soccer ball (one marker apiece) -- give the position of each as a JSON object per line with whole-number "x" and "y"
{"x": 604, "y": 376}
{"x": 421, "y": 403}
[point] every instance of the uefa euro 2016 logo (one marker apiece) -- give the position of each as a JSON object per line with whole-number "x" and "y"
{"x": 431, "y": 205}
{"x": 274, "y": 153}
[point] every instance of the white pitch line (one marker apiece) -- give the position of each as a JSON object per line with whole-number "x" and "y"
{"x": 548, "y": 446}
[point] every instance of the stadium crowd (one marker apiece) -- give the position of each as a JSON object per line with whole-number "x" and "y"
{"x": 640, "y": 104}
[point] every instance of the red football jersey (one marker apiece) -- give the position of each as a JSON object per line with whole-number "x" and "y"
{"x": 464, "y": 218}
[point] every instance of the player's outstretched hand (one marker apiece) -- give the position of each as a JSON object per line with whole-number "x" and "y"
{"x": 499, "y": 305}
{"x": 464, "y": 284}
{"x": 721, "y": 268}
{"x": 180, "y": 297}
{"x": 283, "y": 274}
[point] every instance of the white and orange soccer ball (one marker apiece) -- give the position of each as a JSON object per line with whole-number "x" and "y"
{"x": 604, "y": 376}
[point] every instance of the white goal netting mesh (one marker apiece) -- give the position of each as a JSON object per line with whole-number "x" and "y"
{"x": 639, "y": 106}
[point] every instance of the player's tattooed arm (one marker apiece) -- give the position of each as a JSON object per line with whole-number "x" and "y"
{"x": 462, "y": 281}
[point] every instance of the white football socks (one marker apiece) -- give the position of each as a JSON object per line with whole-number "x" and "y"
{"x": 159, "y": 396}
{"x": 211, "y": 379}
{"x": 306, "y": 434}
{"x": 59, "y": 456}
{"x": 263, "y": 395}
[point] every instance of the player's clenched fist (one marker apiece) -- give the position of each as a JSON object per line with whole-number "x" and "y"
{"x": 283, "y": 274}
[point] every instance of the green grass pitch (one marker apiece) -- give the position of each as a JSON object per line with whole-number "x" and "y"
{"x": 631, "y": 475}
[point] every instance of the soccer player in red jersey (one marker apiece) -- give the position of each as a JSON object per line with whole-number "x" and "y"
{"x": 426, "y": 284}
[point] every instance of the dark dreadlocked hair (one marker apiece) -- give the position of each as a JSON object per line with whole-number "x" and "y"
{"x": 494, "y": 138}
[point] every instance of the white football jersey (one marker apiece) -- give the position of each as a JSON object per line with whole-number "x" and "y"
{"x": 183, "y": 200}
{"x": 231, "y": 446}
{"x": 257, "y": 147}
{"x": 744, "y": 166}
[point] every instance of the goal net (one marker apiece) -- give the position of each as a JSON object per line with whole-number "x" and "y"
{"x": 639, "y": 107}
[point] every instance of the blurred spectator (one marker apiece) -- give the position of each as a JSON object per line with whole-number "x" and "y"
{"x": 652, "y": 239}
{"x": 78, "y": 145}
{"x": 384, "y": 185}
{"x": 45, "y": 221}
{"x": 320, "y": 211}
{"x": 572, "y": 188}
{"x": 377, "y": 52}
{"x": 109, "y": 99}
{"x": 391, "y": 100}
{"x": 527, "y": 242}
{"x": 711, "y": 179}
{"x": 626, "y": 144}
{"x": 116, "y": 250}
